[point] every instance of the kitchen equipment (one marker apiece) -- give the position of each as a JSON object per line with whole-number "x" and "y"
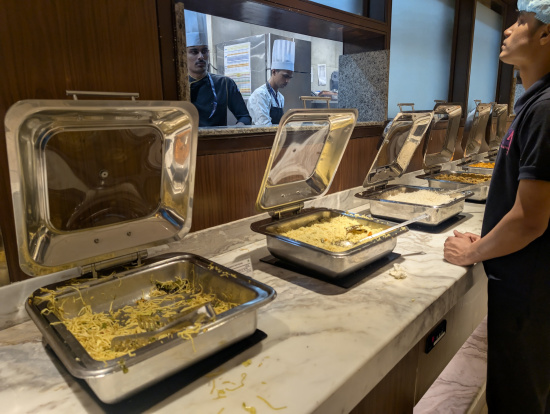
{"x": 96, "y": 185}
{"x": 388, "y": 230}
{"x": 258, "y": 51}
{"x": 474, "y": 134}
{"x": 401, "y": 140}
{"x": 307, "y": 150}
{"x": 496, "y": 129}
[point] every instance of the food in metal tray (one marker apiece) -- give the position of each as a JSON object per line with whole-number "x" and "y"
{"x": 326, "y": 232}
{"x": 464, "y": 178}
{"x": 96, "y": 330}
{"x": 483, "y": 165}
{"x": 423, "y": 197}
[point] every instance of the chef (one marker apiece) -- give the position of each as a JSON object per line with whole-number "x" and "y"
{"x": 266, "y": 103}
{"x": 211, "y": 94}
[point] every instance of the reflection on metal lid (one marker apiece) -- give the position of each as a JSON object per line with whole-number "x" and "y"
{"x": 306, "y": 152}
{"x": 474, "y": 128}
{"x": 496, "y": 126}
{"x": 399, "y": 144}
{"x": 442, "y": 139}
{"x": 94, "y": 180}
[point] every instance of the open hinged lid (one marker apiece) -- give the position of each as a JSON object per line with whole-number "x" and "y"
{"x": 496, "y": 126}
{"x": 474, "y": 129}
{"x": 95, "y": 183}
{"x": 307, "y": 150}
{"x": 439, "y": 146}
{"x": 400, "y": 141}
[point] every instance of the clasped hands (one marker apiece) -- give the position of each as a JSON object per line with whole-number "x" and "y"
{"x": 458, "y": 249}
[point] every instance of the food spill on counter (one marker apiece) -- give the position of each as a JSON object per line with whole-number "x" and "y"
{"x": 398, "y": 272}
{"x": 224, "y": 390}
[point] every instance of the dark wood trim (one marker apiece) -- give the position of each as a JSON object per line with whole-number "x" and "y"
{"x": 388, "y": 21}
{"x": 167, "y": 48}
{"x": 463, "y": 40}
{"x": 222, "y": 144}
{"x": 319, "y": 10}
{"x": 298, "y": 16}
{"x": 505, "y": 78}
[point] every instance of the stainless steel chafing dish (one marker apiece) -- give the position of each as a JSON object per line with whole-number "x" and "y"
{"x": 95, "y": 185}
{"x": 306, "y": 152}
{"x": 474, "y": 133}
{"x": 495, "y": 131}
{"x": 401, "y": 140}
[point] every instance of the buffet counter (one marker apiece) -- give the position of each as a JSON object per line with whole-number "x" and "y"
{"x": 326, "y": 349}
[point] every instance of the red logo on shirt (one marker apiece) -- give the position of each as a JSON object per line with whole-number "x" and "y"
{"x": 507, "y": 142}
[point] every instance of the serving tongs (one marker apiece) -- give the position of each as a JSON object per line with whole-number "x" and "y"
{"x": 188, "y": 317}
{"x": 347, "y": 243}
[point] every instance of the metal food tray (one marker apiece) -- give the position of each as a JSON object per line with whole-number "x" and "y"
{"x": 380, "y": 206}
{"x": 477, "y": 170}
{"x": 328, "y": 263}
{"x": 159, "y": 359}
{"x": 479, "y": 191}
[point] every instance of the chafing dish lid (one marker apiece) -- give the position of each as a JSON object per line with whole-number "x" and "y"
{"x": 474, "y": 128}
{"x": 307, "y": 150}
{"x": 446, "y": 118}
{"x": 400, "y": 140}
{"x": 496, "y": 126}
{"x": 99, "y": 179}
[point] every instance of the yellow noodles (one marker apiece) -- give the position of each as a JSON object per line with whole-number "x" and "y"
{"x": 95, "y": 330}
{"x": 325, "y": 232}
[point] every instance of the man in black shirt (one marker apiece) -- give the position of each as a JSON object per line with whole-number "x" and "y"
{"x": 515, "y": 240}
{"x": 211, "y": 94}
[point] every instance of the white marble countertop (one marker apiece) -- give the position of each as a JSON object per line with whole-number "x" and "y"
{"x": 326, "y": 346}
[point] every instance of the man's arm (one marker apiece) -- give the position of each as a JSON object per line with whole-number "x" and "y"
{"x": 526, "y": 221}
{"x": 236, "y": 103}
{"x": 258, "y": 105}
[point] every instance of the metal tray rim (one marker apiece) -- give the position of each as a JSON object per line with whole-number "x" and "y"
{"x": 448, "y": 204}
{"x": 344, "y": 253}
{"x": 67, "y": 354}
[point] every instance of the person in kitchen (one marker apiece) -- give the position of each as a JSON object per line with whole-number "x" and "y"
{"x": 266, "y": 103}
{"x": 515, "y": 236}
{"x": 210, "y": 93}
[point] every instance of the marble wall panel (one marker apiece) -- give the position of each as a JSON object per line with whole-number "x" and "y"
{"x": 363, "y": 84}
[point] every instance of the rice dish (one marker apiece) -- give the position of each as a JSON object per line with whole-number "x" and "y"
{"x": 483, "y": 165}
{"x": 423, "y": 197}
{"x": 464, "y": 178}
{"x": 324, "y": 233}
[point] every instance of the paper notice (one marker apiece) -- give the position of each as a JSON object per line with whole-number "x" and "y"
{"x": 236, "y": 60}
{"x": 243, "y": 266}
{"x": 322, "y": 74}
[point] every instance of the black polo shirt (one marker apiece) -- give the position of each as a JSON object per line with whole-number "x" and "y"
{"x": 228, "y": 96}
{"x": 524, "y": 154}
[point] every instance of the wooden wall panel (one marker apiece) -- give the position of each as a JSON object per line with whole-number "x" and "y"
{"x": 48, "y": 47}
{"x": 226, "y": 187}
{"x": 395, "y": 392}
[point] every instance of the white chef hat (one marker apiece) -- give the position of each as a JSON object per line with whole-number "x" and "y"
{"x": 195, "y": 28}
{"x": 541, "y": 8}
{"x": 283, "y": 55}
